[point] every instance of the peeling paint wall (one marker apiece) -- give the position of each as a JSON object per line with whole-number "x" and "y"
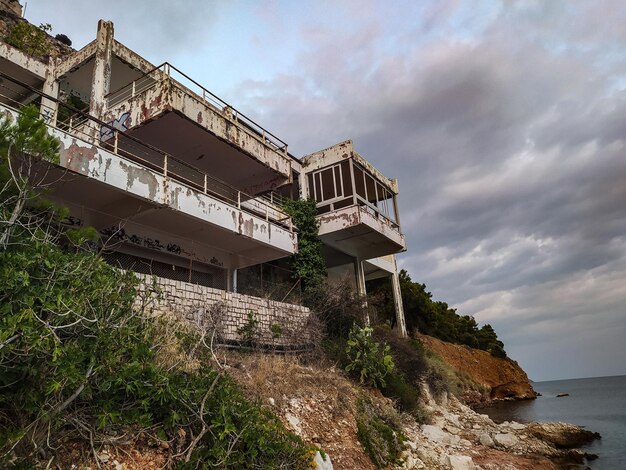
{"x": 353, "y": 216}
{"x": 16, "y": 56}
{"x": 340, "y": 152}
{"x": 104, "y": 166}
{"x": 167, "y": 95}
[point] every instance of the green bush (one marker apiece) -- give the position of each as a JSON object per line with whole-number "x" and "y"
{"x": 368, "y": 360}
{"x": 378, "y": 430}
{"x": 78, "y": 357}
{"x": 30, "y": 39}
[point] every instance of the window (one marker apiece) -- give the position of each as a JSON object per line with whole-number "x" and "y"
{"x": 327, "y": 184}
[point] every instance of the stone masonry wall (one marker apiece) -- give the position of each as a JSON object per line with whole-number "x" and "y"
{"x": 273, "y": 323}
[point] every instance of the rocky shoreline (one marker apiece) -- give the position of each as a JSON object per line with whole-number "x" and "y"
{"x": 460, "y": 438}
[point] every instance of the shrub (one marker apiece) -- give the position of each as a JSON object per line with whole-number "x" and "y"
{"x": 78, "y": 358}
{"x": 62, "y": 38}
{"x": 368, "y": 360}
{"x": 378, "y": 430}
{"x": 30, "y": 39}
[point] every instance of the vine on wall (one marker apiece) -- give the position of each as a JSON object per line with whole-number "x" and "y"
{"x": 308, "y": 264}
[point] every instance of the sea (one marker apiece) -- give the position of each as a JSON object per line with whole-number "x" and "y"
{"x": 598, "y": 404}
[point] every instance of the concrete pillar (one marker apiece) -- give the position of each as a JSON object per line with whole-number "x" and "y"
{"x": 231, "y": 280}
{"x": 360, "y": 286}
{"x": 49, "y": 109}
{"x": 101, "y": 80}
{"x": 397, "y": 300}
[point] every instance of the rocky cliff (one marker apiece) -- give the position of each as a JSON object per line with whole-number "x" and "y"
{"x": 502, "y": 378}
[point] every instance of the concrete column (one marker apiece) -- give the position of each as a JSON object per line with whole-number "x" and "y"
{"x": 397, "y": 300}
{"x": 231, "y": 280}
{"x": 360, "y": 286}
{"x": 49, "y": 109}
{"x": 101, "y": 80}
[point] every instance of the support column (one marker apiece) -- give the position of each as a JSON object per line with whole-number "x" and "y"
{"x": 231, "y": 280}
{"x": 360, "y": 286}
{"x": 397, "y": 300}
{"x": 49, "y": 109}
{"x": 101, "y": 80}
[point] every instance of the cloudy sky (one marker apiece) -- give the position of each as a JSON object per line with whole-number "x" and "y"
{"x": 504, "y": 121}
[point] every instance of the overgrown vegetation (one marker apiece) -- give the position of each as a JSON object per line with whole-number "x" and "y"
{"x": 78, "y": 359}
{"x": 368, "y": 360}
{"x": 379, "y": 431}
{"x": 30, "y": 39}
{"x": 436, "y": 318}
{"x": 308, "y": 264}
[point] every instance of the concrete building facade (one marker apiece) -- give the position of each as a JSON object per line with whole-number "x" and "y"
{"x": 183, "y": 186}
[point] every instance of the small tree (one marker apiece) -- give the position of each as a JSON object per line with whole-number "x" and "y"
{"x": 25, "y": 149}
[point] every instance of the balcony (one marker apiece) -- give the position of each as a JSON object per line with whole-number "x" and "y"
{"x": 124, "y": 179}
{"x": 356, "y": 204}
{"x": 176, "y": 114}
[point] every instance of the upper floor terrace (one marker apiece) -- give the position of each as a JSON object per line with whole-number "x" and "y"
{"x": 118, "y": 178}
{"x": 357, "y": 204}
{"x": 159, "y": 105}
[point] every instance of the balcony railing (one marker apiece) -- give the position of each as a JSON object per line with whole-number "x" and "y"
{"x": 181, "y": 81}
{"x": 104, "y": 135}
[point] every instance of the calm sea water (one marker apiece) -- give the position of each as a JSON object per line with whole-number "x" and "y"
{"x": 598, "y": 404}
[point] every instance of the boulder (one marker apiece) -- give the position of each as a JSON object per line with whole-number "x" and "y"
{"x": 434, "y": 433}
{"x": 486, "y": 440}
{"x": 506, "y": 440}
{"x": 322, "y": 462}
{"x": 562, "y": 435}
{"x": 458, "y": 462}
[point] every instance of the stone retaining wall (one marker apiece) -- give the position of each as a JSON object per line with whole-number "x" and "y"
{"x": 234, "y": 317}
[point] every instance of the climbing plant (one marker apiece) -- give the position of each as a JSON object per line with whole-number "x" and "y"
{"x": 308, "y": 264}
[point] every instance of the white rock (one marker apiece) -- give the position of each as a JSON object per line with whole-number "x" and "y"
{"x": 272, "y": 401}
{"x": 103, "y": 457}
{"x": 294, "y": 422}
{"x": 505, "y": 440}
{"x": 454, "y": 419}
{"x": 322, "y": 462}
{"x": 517, "y": 426}
{"x": 458, "y": 462}
{"x": 465, "y": 443}
{"x": 486, "y": 440}
{"x": 434, "y": 433}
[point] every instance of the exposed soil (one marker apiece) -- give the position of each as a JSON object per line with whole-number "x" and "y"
{"x": 503, "y": 378}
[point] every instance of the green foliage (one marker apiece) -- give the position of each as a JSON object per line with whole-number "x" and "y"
{"x": 378, "y": 430}
{"x": 77, "y": 356}
{"x": 436, "y": 318}
{"x": 308, "y": 263}
{"x": 27, "y": 137}
{"x": 72, "y": 102}
{"x": 368, "y": 360}
{"x": 276, "y": 330}
{"x": 30, "y": 39}
{"x": 249, "y": 332}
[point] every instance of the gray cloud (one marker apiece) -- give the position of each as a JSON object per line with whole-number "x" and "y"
{"x": 510, "y": 153}
{"x": 506, "y": 128}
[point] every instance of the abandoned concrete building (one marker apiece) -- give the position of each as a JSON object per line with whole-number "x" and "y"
{"x": 183, "y": 186}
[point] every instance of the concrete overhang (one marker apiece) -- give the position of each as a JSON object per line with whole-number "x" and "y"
{"x": 14, "y": 58}
{"x": 359, "y": 233}
{"x": 188, "y": 127}
{"x": 342, "y": 151}
{"x": 252, "y": 236}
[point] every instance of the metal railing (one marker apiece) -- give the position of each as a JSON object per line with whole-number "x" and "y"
{"x": 186, "y": 84}
{"x": 104, "y": 135}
